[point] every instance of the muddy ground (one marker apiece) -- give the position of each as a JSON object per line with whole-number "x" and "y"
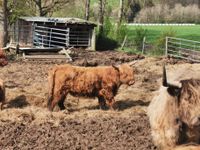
{"x": 26, "y": 123}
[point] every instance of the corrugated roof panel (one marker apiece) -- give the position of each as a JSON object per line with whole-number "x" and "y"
{"x": 58, "y": 20}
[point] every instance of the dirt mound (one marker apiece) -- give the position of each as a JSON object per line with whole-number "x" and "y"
{"x": 94, "y": 58}
{"x": 99, "y": 132}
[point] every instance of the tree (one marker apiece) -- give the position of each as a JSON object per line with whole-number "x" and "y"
{"x": 5, "y": 22}
{"x": 121, "y": 7}
{"x": 46, "y": 7}
{"x": 87, "y": 9}
{"x": 102, "y": 4}
{"x": 18, "y": 8}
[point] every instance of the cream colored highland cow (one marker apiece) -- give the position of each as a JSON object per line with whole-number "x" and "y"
{"x": 174, "y": 113}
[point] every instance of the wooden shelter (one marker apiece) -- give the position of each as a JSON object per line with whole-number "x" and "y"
{"x": 44, "y": 32}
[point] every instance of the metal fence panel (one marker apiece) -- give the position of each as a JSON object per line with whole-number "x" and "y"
{"x": 182, "y": 48}
{"x": 50, "y": 37}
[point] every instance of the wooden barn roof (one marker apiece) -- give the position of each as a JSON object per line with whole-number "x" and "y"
{"x": 58, "y": 20}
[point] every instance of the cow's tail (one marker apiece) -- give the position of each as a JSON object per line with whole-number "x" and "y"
{"x": 51, "y": 83}
{"x": 2, "y": 95}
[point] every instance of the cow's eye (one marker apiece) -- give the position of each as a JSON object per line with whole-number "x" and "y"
{"x": 199, "y": 118}
{"x": 176, "y": 91}
{"x": 173, "y": 91}
{"x": 177, "y": 121}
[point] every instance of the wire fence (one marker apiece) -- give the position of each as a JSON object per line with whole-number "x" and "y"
{"x": 143, "y": 45}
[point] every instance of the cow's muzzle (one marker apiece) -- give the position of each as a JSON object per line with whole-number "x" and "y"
{"x": 195, "y": 121}
{"x": 131, "y": 82}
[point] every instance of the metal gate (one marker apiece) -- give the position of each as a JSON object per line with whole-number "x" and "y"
{"x": 50, "y": 37}
{"x": 182, "y": 48}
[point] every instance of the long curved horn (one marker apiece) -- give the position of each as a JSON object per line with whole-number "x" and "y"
{"x": 164, "y": 81}
{"x": 115, "y": 67}
{"x": 132, "y": 63}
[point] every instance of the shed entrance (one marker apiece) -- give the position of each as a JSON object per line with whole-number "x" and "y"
{"x": 50, "y": 36}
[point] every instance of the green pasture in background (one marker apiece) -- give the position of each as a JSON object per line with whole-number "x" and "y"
{"x": 153, "y": 32}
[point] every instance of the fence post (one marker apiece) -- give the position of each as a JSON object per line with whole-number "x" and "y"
{"x": 143, "y": 44}
{"x": 124, "y": 41}
{"x": 166, "y": 46}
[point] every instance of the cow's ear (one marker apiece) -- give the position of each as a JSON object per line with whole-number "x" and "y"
{"x": 115, "y": 67}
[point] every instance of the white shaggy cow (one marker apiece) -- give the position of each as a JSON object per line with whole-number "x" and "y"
{"x": 174, "y": 113}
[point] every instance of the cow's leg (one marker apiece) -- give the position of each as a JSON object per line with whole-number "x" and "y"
{"x": 102, "y": 102}
{"x": 3, "y": 99}
{"x": 111, "y": 103}
{"x": 3, "y": 103}
{"x": 108, "y": 97}
{"x": 61, "y": 102}
{"x": 1, "y": 106}
{"x": 56, "y": 98}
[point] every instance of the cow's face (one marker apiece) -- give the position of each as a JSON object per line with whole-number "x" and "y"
{"x": 190, "y": 109}
{"x": 126, "y": 74}
{"x": 164, "y": 119}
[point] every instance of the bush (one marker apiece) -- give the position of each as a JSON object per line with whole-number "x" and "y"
{"x": 121, "y": 31}
{"x": 108, "y": 28}
{"x": 140, "y": 33}
{"x": 160, "y": 42}
{"x": 112, "y": 35}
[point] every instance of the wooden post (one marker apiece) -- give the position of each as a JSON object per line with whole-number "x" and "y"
{"x": 143, "y": 44}
{"x": 124, "y": 42}
{"x": 93, "y": 40}
{"x": 166, "y": 46}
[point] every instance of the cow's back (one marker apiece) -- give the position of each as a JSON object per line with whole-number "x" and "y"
{"x": 83, "y": 80}
{"x": 89, "y": 80}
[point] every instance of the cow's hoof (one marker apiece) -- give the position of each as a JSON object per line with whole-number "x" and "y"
{"x": 103, "y": 107}
{"x": 2, "y": 106}
{"x": 62, "y": 108}
{"x": 50, "y": 109}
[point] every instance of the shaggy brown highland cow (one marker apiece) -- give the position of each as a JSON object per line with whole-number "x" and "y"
{"x": 101, "y": 82}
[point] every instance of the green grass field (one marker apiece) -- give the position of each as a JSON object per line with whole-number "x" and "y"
{"x": 153, "y": 32}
